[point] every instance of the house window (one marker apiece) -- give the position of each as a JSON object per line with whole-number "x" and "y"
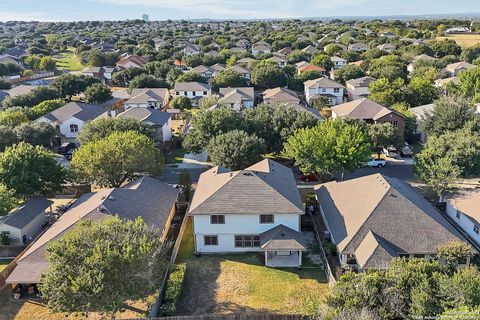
{"x": 475, "y": 229}
{"x": 336, "y": 90}
{"x": 395, "y": 123}
{"x": 73, "y": 128}
{"x": 351, "y": 259}
{"x": 210, "y": 240}
{"x": 177, "y": 93}
{"x": 324, "y": 90}
{"x": 419, "y": 256}
{"x": 194, "y": 93}
{"x": 205, "y": 93}
{"x": 404, "y": 255}
{"x": 247, "y": 241}
{"x": 457, "y": 214}
{"x": 217, "y": 219}
{"x": 266, "y": 218}
{"x": 185, "y": 93}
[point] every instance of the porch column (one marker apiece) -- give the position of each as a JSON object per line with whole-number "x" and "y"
{"x": 266, "y": 257}
{"x": 299, "y": 258}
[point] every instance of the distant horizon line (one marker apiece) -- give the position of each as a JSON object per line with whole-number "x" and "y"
{"x": 341, "y": 17}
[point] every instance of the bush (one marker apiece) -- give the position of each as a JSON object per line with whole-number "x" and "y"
{"x": 173, "y": 290}
{"x": 331, "y": 249}
{"x": 4, "y": 238}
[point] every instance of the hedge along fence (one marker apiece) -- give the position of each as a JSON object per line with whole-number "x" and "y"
{"x": 173, "y": 290}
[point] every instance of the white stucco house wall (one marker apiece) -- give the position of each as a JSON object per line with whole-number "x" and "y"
{"x": 251, "y": 210}
{"x": 193, "y": 90}
{"x": 154, "y": 98}
{"x": 358, "y": 88}
{"x": 324, "y": 87}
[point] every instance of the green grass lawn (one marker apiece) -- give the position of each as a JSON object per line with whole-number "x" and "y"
{"x": 233, "y": 283}
{"x": 176, "y": 155}
{"x": 69, "y": 61}
{"x": 4, "y": 263}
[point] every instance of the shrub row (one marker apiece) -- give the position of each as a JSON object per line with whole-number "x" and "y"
{"x": 173, "y": 290}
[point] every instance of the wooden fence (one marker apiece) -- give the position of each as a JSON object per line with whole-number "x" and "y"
{"x": 158, "y": 303}
{"x": 239, "y": 316}
{"x": 328, "y": 271}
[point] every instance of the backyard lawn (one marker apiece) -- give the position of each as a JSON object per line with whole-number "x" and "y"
{"x": 241, "y": 283}
{"x": 69, "y": 61}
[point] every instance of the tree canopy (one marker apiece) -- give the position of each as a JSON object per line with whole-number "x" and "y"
{"x": 98, "y": 93}
{"x": 116, "y": 159}
{"x": 99, "y": 266}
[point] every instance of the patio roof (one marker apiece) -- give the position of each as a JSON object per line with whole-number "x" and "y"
{"x": 282, "y": 238}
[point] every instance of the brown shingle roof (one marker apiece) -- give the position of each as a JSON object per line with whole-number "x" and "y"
{"x": 361, "y": 109}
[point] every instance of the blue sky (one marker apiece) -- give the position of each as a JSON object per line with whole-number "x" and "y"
{"x": 71, "y": 10}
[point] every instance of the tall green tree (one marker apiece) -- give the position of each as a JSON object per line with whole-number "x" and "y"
{"x": 98, "y": 93}
{"x": 236, "y": 149}
{"x": 348, "y": 72}
{"x": 382, "y": 135}
{"x": 99, "y": 266}
{"x": 330, "y": 147}
{"x": 120, "y": 157}
{"x": 449, "y": 114}
{"x": 269, "y": 75}
{"x": 44, "y": 107}
{"x": 8, "y": 201}
{"x": 69, "y": 84}
{"x": 101, "y": 128}
{"x": 30, "y": 170}
{"x": 229, "y": 78}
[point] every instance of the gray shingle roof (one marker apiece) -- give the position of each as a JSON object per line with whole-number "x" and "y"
{"x": 24, "y": 214}
{"x": 191, "y": 86}
{"x": 266, "y": 187}
{"x": 146, "y": 197}
{"x": 79, "y": 110}
{"x": 154, "y": 116}
{"x": 282, "y": 238}
{"x": 389, "y": 208}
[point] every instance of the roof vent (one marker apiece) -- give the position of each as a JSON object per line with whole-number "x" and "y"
{"x": 283, "y": 234}
{"x": 112, "y": 198}
{"x": 247, "y": 173}
{"x": 102, "y": 209}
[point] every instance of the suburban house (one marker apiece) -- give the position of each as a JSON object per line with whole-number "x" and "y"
{"x": 26, "y": 221}
{"x": 324, "y": 87}
{"x": 419, "y": 113}
{"x": 387, "y": 47}
{"x": 338, "y": 62}
{"x": 237, "y": 98}
{"x": 191, "y": 49}
{"x": 358, "y": 47}
{"x": 284, "y": 52}
{"x": 370, "y": 112}
{"x": 375, "y": 218}
{"x": 208, "y": 72}
{"x": 284, "y": 96}
{"x": 310, "y": 50}
{"x": 260, "y": 47}
{"x": 462, "y": 207}
{"x": 131, "y": 61}
{"x": 244, "y": 61}
{"x": 442, "y": 83}
{"x": 153, "y": 98}
{"x": 146, "y": 197}
{"x": 257, "y": 209}
{"x": 424, "y": 57}
{"x": 160, "y": 122}
{"x": 282, "y": 62}
{"x": 310, "y": 67}
{"x": 193, "y": 90}
{"x": 70, "y": 119}
{"x": 456, "y": 68}
{"x": 358, "y": 88}
{"x": 104, "y": 74}
{"x": 246, "y": 74}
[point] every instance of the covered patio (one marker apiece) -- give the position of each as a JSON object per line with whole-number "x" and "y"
{"x": 283, "y": 247}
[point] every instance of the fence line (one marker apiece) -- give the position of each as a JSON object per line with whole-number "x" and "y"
{"x": 239, "y": 316}
{"x": 328, "y": 271}
{"x": 158, "y": 303}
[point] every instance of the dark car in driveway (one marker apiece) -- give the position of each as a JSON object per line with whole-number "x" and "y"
{"x": 66, "y": 148}
{"x": 307, "y": 177}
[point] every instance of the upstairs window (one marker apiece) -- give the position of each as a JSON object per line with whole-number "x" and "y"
{"x": 475, "y": 229}
{"x": 73, "y": 128}
{"x": 457, "y": 214}
{"x": 266, "y": 218}
{"x": 217, "y": 219}
{"x": 336, "y": 90}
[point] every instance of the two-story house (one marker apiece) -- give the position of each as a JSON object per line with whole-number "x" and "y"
{"x": 358, "y": 88}
{"x": 193, "y": 90}
{"x": 159, "y": 122}
{"x": 208, "y": 72}
{"x": 375, "y": 218}
{"x": 237, "y": 98}
{"x": 260, "y": 47}
{"x": 70, "y": 118}
{"x": 257, "y": 209}
{"x": 455, "y": 68}
{"x": 338, "y": 62}
{"x": 325, "y": 87}
{"x": 246, "y": 74}
{"x": 153, "y": 98}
